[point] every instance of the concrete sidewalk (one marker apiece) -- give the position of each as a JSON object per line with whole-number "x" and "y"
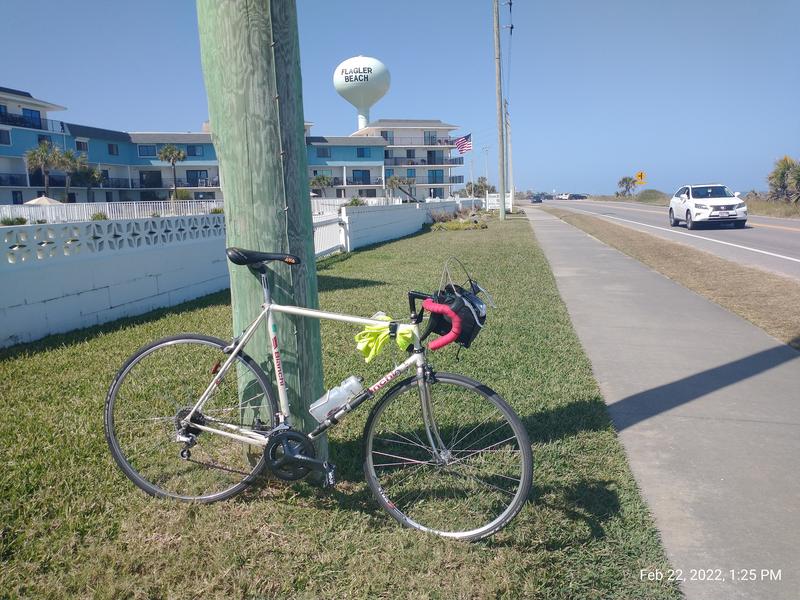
{"x": 707, "y": 407}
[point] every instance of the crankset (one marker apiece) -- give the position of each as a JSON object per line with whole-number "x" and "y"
{"x": 290, "y": 456}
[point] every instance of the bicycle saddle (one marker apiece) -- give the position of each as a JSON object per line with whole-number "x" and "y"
{"x": 238, "y": 256}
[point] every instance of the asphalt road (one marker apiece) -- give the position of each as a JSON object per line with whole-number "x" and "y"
{"x": 767, "y": 243}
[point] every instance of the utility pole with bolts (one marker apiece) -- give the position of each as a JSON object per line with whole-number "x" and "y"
{"x": 510, "y": 161}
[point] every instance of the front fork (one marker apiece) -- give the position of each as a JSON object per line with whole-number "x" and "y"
{"x": 440, "y": 452}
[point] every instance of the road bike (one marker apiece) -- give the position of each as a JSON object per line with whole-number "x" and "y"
{"x": 194, "y": 418}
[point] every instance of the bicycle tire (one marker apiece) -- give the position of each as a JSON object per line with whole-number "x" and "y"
{"x": 173, "y": 373}
{"x": 438, "y": 507}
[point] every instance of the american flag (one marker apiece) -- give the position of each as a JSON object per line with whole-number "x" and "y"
{"x": 464, "y": 143}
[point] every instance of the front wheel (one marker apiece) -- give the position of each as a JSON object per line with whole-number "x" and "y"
{"x": 448, "y": 457}
{"x": 690, "y": 224}
{"x": 673, "y": 222}
{"x": 155, "y": 390}
{"x": 739, "y": 224}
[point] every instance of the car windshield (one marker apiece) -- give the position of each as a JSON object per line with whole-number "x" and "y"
{"x": 711, "y": 191}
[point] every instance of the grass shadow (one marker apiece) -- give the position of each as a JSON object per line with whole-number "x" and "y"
{"x": 327, "y": 283}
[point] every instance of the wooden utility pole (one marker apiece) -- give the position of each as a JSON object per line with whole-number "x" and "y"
{"x": 501, "y": 146}
{"x": 251, "y": 65}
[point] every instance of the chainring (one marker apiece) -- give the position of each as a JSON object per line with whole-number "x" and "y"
{"x": 274, "y": 452}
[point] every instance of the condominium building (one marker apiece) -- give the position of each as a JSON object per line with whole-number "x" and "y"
{"x": 128, "y": 162}
{"x": 404, "y": 158}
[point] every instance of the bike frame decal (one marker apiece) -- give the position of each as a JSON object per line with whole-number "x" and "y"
{"x": 386, "y": 379}
{"x": 276, "y": 354}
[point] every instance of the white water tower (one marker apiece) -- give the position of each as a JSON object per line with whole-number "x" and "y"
{"x": 362, "y": 81}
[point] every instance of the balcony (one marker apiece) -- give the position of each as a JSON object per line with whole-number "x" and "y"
{"x": 401, "y": 161}
{"x": 456, "y": 179}
{"x": 13, "y": 180}
{"x": 32, "y": 122}
{"x": 165, "y": 183}
{"x": 421, "y": 141}
{"x": 116, "y": 182}
{"x": 37, "y": 179}
{"x": 365, "y": 181}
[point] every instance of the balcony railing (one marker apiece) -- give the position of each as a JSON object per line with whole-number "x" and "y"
{"x": 37, "y": 179}
{"x": 166, "y": 183}
{"x": 116, "y": 182}
{"x": 401, "y": 161}
{"x": 421, "y": 141}
{"x": 13, "y": 179}
{"x": 456, "y": 179}
{"x": 32, "y": 122}
{"x": 365, "y": 181}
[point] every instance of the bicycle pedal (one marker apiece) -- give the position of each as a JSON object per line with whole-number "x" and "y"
{"x": 329, "y": 469}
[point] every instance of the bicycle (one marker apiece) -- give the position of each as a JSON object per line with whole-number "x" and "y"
{"x": 194, "y": 418}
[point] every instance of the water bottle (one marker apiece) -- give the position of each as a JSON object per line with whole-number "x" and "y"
{"x": 335, "y": 398}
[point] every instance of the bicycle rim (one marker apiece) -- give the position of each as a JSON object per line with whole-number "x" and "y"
{"x": 151, "y": 394}
{"x": 464, "y": 471}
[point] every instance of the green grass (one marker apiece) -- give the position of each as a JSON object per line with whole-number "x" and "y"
{"x": 74, "y": 526}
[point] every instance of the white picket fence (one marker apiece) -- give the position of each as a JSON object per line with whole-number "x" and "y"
{"x": 84, "y": 211}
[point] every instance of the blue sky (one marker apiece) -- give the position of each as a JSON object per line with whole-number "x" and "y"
{"x": 685, "y": 90}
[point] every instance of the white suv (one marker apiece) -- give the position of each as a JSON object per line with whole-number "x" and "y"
{"x": 708, "y": 203}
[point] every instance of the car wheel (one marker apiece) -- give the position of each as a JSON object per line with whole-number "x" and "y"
{"x": 690, "y": 224}
{"x": 739, "y": 224}
{"x": 673, "y": 222}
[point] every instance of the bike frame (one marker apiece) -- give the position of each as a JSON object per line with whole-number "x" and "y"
{"x": 242, "y": 434}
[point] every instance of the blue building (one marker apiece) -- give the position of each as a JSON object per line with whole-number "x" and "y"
{"x": 416, "y": 152}
{"x": 128, "y": 161}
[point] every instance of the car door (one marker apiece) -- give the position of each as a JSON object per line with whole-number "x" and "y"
{"x": 675, "y": 204}
{"x": 685, "y": 198}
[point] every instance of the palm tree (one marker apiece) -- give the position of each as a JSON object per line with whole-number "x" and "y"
{"x": 793, "y": 183}
{"x": 779, "y": 179}
{"x": 44, "y": 157}
{"x": 626, "y": 185}
{"x": 88, "y": 177}
{"x": 321, "y": 182}
{"x": 172, "y": 155}
{"x": 70, "y": 163}
{"x": 395, "y": 181}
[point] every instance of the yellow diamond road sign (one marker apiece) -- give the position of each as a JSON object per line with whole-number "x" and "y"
{"x": 640, "y": 178}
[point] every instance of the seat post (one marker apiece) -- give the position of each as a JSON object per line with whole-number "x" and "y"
{"x": 265, "y": 285}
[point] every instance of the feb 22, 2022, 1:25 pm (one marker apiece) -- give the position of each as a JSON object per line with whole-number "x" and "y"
{"x": 681, "y": 575}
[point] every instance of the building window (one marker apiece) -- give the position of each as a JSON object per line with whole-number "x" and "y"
{"x": 389, "y": 173}
{"x": 388, "y": 136}
{"x": 81, "y": 145}
{"x": 430, "y": 138}
{"x": 436, "y": 176}
{"x": 44, "y": 139}
{"x": 32, "y": 117}
{"x": 362, "y": 152}
{"x": 368, "y": 193}
{"x": 5, "y": 137}
{"x": 411, "y": 153}
{"x": 109, "y": 196}
{"x": 323, "y": 152}
{"x": 16, "y": 197}
{"x": 411, "y": 172}
{"x": 147, "y": 150}
{"x": 326, "y": 172}
{"x": 113, "y": 150}
{"x": 3, "y": 109}
{"x": 361, "y": 176}
{"x": 436, "y": 192}
{"x": 90, "y": 195}
{"x": 205, "y": 195}
{"x": 194, "y": 150}
{"x": 388, "y": 153}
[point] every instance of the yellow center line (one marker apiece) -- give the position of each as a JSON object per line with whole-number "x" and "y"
{"x": 794, "y": 229}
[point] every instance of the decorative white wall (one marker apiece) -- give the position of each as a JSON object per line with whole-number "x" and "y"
{"x": 58, "y": 277}
{"x": 55, "y": 278}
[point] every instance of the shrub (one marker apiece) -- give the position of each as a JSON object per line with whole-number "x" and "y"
{"x": 99, "y": 216}
{"x": 41, "y": 221}
{"x": 13, "y": 221}
{"x": 457, "y": 226}
{"x": 652, "y": 197}
{"x": 217, "y": 211}
{"x": 182, "y": 194}
{"x": 441, "y": 216}
{"x": 155, "y": 214}
{"x": 356, "y": 201}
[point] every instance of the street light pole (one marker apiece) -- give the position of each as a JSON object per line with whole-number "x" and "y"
{"x": 501, "y": 155}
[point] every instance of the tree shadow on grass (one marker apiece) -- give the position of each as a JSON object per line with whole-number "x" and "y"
{"x": 327, "y": 283}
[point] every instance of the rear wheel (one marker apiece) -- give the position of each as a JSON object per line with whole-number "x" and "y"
{"x": 459, "y": 466}
{"x": 156, "y": 389}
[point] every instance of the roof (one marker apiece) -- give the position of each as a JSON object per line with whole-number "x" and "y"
{"x": 171, "y": 138}
{"x": 98, "y": 133}
{"x": 367, "y": 140}
{"x": 6, "y": 90}
{"x": 415, "y": 123}
{"x": 705, "y": 184}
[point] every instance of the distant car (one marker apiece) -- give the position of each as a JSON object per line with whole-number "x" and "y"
{"x": 563, "y": 197}
{"x": 536, "y": 198}
{"x": 577, "y": 196}
{"x": 707, "y": 203}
